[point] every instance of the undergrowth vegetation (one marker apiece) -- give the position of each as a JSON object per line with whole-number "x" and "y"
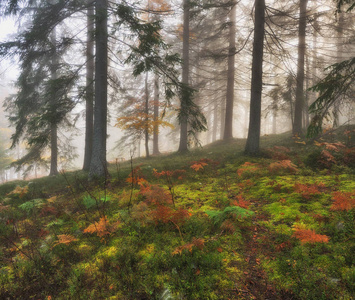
{"x": 213, "y": 224}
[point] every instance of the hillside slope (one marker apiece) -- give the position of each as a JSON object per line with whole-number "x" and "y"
{"x": 211, "y": 224}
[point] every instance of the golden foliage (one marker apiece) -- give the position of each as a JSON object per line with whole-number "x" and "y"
{"x": 52, "y": 199}
{"x": 196, "y": 243}
{"x": 142, "y": 213}
{"x": 19, "y": 191}
{"x": 65, "y": 239}
{"x": 4, "y": 207}
{"x": 101, "y": 228}
{"x": 141, "y": 121}
{"x": 198, "y": 166}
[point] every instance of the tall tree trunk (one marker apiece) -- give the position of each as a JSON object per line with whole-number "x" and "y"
{"x": 222, "y": 118}
{"x": 54, "y": 129}
{"x": 98, "y": 165}
{"x": 156, "y": 116}
{"x": 299, "y": 104}
{"x": 314, "y": 79}
{"x": 253, "y": 140}
{"x": 228, "y": 129}
{"x": 306, "y": 98}
{"x": 146, "y": 111}
{"x": 246, "y": 121}
{"x": 54, "y": 150}
{"x": 340, "y": 32}
{"x": 183, "y": 147}
{"x": 215, "y": 121}
{"x": 89, "y": 95}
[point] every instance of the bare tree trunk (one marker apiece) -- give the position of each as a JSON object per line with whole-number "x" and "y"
{"x": 222, "y": 118}
{"x": 215, "y": 121}
{"x": 299, "y": 104}
{"x": 306, "y": 99}
{"x": 340, "y": 31}
{"x": 146, "y": 111}
{"x": 246, "y": 119}
{"x": 89, "y": 95}
{"x": 183, "y": 147}
{"x": 228, "y": 130}
{"x": 98, "y": 165}
{"x": 156, "y": 116}
{"x": 54, "y": 129}
{"x": 253, "y": 140}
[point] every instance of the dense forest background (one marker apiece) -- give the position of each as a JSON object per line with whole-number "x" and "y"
{"x": 174, "y": 75}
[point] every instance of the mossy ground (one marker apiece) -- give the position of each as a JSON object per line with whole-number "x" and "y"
{"x": 209, "y": 224}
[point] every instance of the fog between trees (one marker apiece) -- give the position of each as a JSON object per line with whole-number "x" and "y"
{"x": 137, "y": 71}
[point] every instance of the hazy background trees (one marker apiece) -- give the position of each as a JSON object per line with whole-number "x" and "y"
{"x": 186, "y": 57}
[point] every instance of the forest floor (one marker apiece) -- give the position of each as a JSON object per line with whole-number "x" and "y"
{"x": 210, "y": 224}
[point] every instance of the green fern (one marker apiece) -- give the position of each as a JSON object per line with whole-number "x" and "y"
{"x": 218, "y": 216}
{"x": 30, "y": 205}
{"x": 89, "y": 202}
{"x": 58, "y": 222}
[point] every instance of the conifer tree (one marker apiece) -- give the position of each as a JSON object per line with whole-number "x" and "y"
{"x": 253, "y": 140}
{"x": 43, "y": 99}
{"x": 337, "y": 83}
{"x": 228, "y": 128}
{"x": 98, "y": 164}
{"x": 185, "y": 95}
{"x": 299, "y": 104}
{"x": 89, "y": 91}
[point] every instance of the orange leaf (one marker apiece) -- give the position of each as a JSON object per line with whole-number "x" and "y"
{"x": 343, "y": 201}
{"x": 198, "y": 166}
{"x": 101, "y": 228}
{"x": 309, "y": 236}
{"x": 66, "y": 239}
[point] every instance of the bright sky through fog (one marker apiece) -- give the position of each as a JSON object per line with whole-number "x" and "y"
{"x": 8, "y": 72}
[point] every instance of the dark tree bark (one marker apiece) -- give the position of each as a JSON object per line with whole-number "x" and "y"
{"x": 253, "y": 140}
{"x": 54, "y": 130}
{"x": 340, "y": 58}
{"x": 98, "y": 165}
{"x": 54, "y": 150}
{"x": 183, "y": 147}
{"x": 222, "y": 118}
{"x": 156, "y": 116}
{"x": 299, "y": 103}
{"x": 306, "y": 98}
{"x": 89, "y": 95}
{"x": 228, "y": 129}
{"x": 146, "y": 111}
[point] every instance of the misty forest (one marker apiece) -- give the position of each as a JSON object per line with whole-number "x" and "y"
{"x": 183, "y": 149}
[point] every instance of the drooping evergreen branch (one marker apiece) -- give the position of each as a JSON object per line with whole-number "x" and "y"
{"x": 333, "y": 88}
